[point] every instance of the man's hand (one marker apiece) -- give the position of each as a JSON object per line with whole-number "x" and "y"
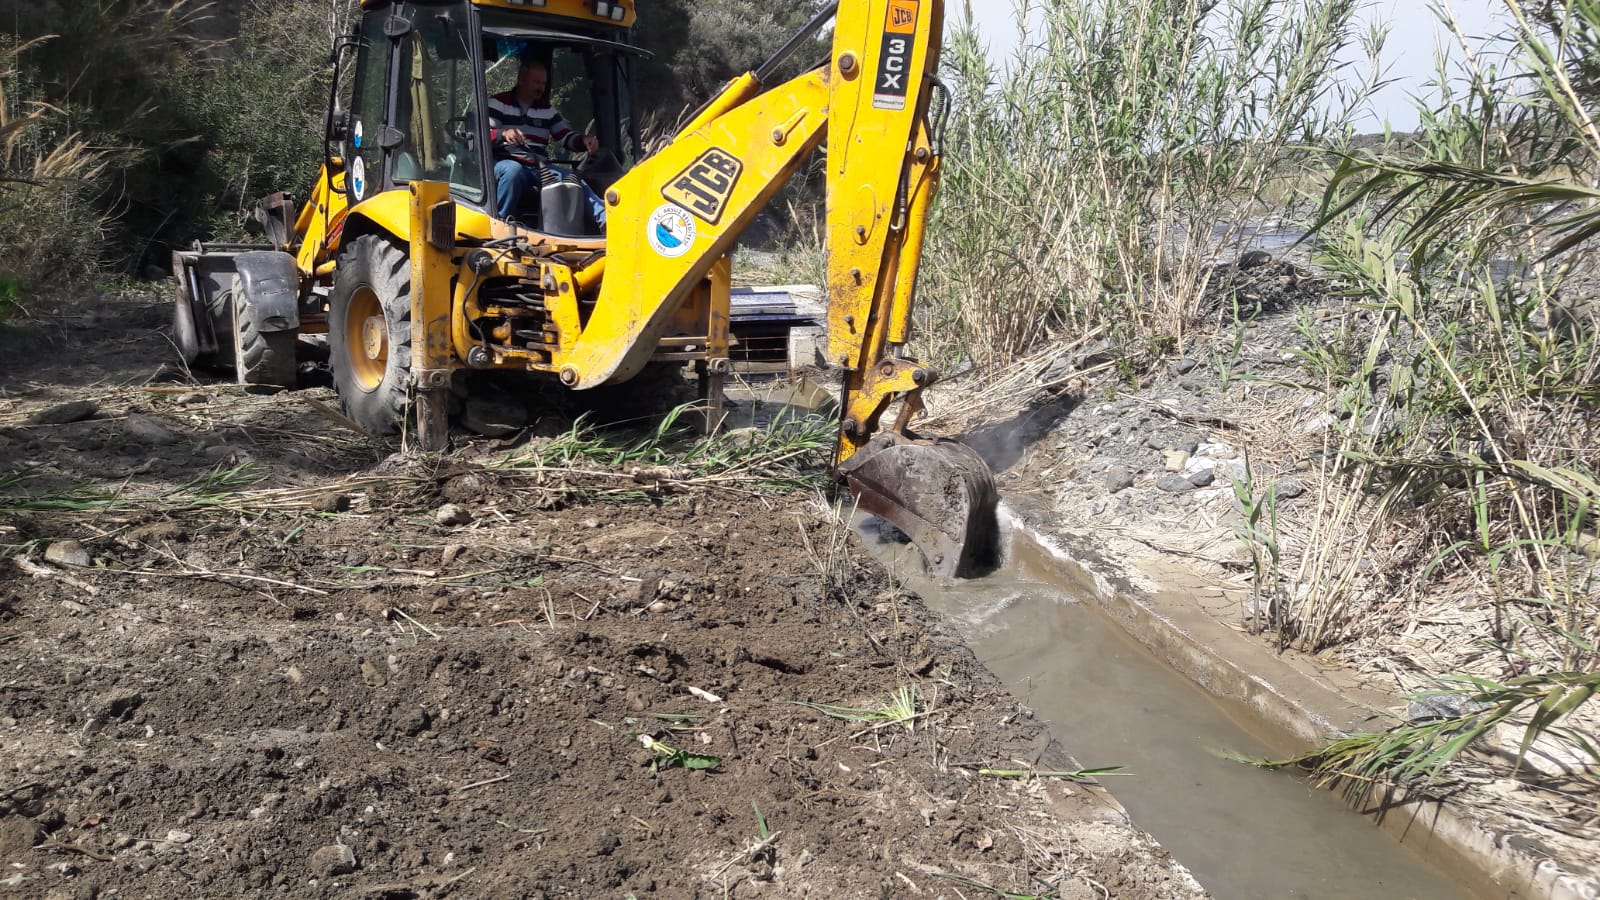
{"x": 513, "y": 136}
{"x": 591, "y": 143}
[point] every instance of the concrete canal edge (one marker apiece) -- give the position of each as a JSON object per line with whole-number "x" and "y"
{"x": 1289, "y": 704}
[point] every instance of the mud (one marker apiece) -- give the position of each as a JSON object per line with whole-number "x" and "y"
{"x": 300, "y": 664}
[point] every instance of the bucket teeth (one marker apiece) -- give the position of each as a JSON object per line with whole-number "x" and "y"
{"x": 939, "y": 492}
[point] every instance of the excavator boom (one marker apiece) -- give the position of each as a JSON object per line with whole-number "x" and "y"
{"x": 673, "y": 216}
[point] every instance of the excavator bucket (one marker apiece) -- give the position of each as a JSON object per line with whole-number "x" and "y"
{"x": 939, "y": 492}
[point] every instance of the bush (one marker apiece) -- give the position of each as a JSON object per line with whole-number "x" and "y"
{"x": 50, "y": 228}
{"x": 1091, "y": 185}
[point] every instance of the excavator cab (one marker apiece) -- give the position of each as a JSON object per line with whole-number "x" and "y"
{"x": 445, "y": 61}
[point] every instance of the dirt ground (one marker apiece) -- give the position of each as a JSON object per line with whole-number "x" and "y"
{"x": 296, "y": 663}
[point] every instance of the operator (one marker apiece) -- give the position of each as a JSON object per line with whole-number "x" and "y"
{"x": 522, "y": 123}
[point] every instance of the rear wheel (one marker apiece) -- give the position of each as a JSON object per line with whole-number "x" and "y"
{"x": 262, "y": 360}
{"x": 369, "y": 333}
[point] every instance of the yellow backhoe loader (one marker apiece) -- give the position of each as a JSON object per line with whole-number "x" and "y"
{"x": 400, "y": 258}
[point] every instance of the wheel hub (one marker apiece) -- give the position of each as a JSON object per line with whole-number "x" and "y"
{"x": 373, "y": 337}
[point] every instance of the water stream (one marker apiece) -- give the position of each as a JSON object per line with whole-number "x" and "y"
{"x": 1243, "y": 832}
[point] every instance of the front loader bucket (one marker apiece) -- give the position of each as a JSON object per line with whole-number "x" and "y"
{"x": 939, "y": 492}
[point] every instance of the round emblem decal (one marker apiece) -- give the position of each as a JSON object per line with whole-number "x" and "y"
{"x": 670, "y": 231}
{"x": 358, "y": 178}
{"x": 355, "y": 135}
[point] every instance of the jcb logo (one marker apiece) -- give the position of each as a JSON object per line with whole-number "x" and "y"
{"x": 902, "y": 16}
{"x": 704, "y": 187}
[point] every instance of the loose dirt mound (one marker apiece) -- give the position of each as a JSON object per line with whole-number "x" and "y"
{"x": 416, "y": 678}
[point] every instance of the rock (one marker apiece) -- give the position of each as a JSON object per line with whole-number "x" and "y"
{"x": 149, "y": 430}
{"x": 74, "y": 411}
{"x": 451, "y": 515}
{"x": 1096, "y": 354}
{"x": 221, "y": 451}
{"x": 1117, "y": 478}
{"x": 1174, "y": 484}
{"x": 1321, "y": 312}
{"x": 493, "y": 415}
{"x": 1319, "y": 424}
{"x": 1254, "y": 259}
{"x": 67, "y": 553}
{"x": 1099, "y": 507}
{"x": 115, "y": 705}
{"x": 179, "y": 837}
{"x": 464, "y": 487}
{"x": 1058, "y": 370}
{"x": 333, "y": 860}
{"x": 1191, "y": 384}
{"x": 17, "y": 834}
{"x": 1175, "y": 460}
{"x": 372, "y": 676}
{"x": 1433, "y": 707}
{"x": 332, "y": 502}
{"x": 1203, "y": 477}
{"x": 1288, "y": 489}
{"x": 1185, "y": 366}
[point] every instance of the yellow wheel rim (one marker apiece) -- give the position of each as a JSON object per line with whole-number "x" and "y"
{"x": 366, "y": 339}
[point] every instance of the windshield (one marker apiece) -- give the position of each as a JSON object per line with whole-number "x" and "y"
{"x": 435, "y": 103}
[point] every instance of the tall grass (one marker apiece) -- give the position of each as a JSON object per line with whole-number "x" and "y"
{"x": 1095, "y": 180}
{"x": 1468, "y": 466}
{"x": 49, "y": 225}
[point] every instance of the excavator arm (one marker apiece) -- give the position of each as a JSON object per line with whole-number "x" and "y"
{"x": 675, "y": 215}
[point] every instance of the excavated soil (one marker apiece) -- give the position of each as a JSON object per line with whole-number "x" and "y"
{"x": 298, "y": 663}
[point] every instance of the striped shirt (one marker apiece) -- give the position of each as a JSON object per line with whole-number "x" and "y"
{"x": 539, "y": 123}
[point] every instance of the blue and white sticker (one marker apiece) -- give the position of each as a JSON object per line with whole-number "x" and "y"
{"x": 670, "y": 230}
{"x": 358, "y": 178}
{"x": 355, "y": 135}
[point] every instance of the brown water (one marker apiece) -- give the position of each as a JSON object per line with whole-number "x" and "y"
{"x": 1243, "y": 832}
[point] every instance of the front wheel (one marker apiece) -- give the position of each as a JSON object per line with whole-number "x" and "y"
{"x": 369, "y": 333}
{"x": 262, "y": 360}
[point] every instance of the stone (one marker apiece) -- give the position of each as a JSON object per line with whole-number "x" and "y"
{"x": 1203, "y": 477}
{"x": 1117, "y": 478}
{"x": 1288, "y": 489}
{"x": 333, "y": 860}
{"x": 61, "y": 414}
{"x": 1433, "y": 707}
{"x": 1058, "y": 370}
{"x": 148, "y": 430}
{"x": 331, "y": 502}
{"x": 18, "y": 834}
{"x": 450, "y": 515}
{"x": 1185, "y": 366}
{"x": 1175, "y": 460}
{"x": 494, "y": 415}
{"x": 179, "y": 837}
{"x": 1254, "y": 259}
{"x": 1174, "y": 484}
{"x": 1096, "y": 354}
{"x": 371, "y": 675}
{"x": 464, "y": 487}
{"x": 67, "y": 553}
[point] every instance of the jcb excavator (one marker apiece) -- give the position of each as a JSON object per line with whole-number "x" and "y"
{"x": 399, "y": 256}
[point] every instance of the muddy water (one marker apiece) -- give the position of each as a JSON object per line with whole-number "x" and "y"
{"x": 1243, "y": 832}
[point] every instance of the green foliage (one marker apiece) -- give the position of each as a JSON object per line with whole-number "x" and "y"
{"x": 700, "y": 44}
{"x": 1092, "y": 182}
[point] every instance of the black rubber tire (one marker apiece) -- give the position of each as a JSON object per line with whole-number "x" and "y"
{"x": 262, "y": 361}
{"x": 372, "y": 265}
